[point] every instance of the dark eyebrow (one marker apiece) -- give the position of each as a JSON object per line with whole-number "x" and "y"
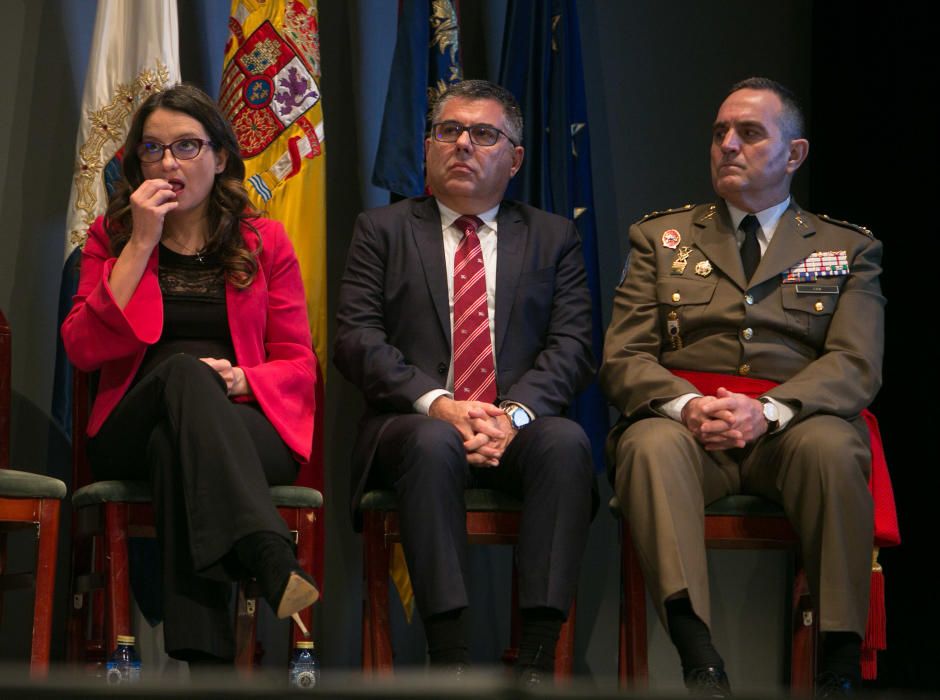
{"x": 748, "y": 123}
{"x": 186, "y": 135}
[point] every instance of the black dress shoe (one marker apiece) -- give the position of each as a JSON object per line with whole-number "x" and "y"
{"x": 458, "y": 671}
{"x": 834, "y": 685}
{"x": 530, "y": 677}
{"x": 708, "y": 682}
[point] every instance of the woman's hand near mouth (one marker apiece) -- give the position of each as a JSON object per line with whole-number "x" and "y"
{"x": 150, "y": 204}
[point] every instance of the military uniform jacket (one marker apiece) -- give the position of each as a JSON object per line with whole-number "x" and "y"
{"x": 821, "y": 338}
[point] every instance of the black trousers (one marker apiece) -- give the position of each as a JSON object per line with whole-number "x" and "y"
{"x": 210, "y": 462}
{"x": 547, "y": 465}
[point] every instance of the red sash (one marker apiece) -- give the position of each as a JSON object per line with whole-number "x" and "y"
{"x": 887, "y": 533}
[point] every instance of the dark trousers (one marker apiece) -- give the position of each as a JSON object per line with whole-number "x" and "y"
{"x": 210, "y": 462}
{"x": 547, "y": 466}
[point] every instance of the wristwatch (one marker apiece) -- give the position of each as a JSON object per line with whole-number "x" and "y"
{"x": 518, "y": 416}
{"x": 771, "y": 414}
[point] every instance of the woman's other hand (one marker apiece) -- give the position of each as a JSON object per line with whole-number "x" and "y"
{"x": 234, "y": 377}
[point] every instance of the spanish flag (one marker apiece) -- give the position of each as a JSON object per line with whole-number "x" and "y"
{"x": 271, "y": 94}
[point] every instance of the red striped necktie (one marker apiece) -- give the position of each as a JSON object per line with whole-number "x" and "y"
{"x": 474, "y": 370}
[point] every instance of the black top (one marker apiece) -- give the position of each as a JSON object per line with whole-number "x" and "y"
{"x": 195, "y": 321}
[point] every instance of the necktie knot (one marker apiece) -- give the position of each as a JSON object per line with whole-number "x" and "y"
{"x": 468, "y": 224}
{"x": 750, "y": 225}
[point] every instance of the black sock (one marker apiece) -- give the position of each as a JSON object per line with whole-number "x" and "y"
{"x": 446, "y": 638}
{"x": 842, "y": 655}
{"x": 540, "y": 628}
{"x": 690, "y": 636}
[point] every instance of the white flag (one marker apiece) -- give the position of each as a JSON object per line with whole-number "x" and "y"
{"x": 134, "y": 53}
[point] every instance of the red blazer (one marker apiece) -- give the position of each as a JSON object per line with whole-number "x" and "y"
{"x": 268, "y": 321}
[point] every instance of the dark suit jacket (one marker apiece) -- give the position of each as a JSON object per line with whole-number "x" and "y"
{"x": 393, "y": 336}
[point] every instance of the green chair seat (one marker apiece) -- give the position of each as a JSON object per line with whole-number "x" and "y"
{"x": 17, "y": 484}
{"x": 296, "y": 497}
{"x": 139, "y": 492}
{"x": 112, "y": 491}
{"x": 476, "y": 500}
{"x": 738, "y": 504}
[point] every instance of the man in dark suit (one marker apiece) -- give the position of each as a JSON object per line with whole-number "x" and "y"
{"x": 746, "y": 338}
{"x": 507, "y": 283}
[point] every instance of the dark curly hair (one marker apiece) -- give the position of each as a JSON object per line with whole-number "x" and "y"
{"x": 229, "y": 206}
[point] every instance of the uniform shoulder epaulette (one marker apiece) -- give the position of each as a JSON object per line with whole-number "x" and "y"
{"x": 845, "y": 224}
{"x": 656, "y": 214}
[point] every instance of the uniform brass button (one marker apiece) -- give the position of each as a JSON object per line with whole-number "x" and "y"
{"x": 748, "y": 333}
{"x": 748, "y": 299}
{"x": 744, "y": 369}
{"x": 676, "y": 296}
{"x": 818, "y": 306}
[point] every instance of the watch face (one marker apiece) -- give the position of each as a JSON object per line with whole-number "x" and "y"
{"x": 770, "y": 412}
{"x": 519, "y": 418}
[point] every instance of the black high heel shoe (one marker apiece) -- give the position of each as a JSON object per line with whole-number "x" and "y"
{"x": 287, "y": 588}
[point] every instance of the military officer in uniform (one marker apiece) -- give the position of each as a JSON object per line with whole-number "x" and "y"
{"x": 746, "y": 339}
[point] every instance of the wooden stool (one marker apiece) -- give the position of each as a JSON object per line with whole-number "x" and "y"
{"x": 27, "y": 501}
{"x": 734, "y": 522}
{"x": 492, "y": 518}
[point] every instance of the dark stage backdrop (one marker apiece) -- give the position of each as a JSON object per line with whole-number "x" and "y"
{"x": 654, "y": 75}
{"x": 874, "y": 164}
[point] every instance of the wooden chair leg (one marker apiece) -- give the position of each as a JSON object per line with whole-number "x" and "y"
{"x": 47, "y": 547}
{"x": 245, "y": 628}
{"x": 632, "y": 669}
{"x": 305, "y": 557}
{"x": 376, "y": 633}
{"x": 804, "y": 633}
{"x": 3, "y": 565}
{"x": 78, "y": 602}
{"x": 564, "y": 650}
{"x": 116, "y": 574}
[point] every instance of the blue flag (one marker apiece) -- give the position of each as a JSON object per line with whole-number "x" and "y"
{"x": 426, "y": 61}
{"x": 541, "y": 66}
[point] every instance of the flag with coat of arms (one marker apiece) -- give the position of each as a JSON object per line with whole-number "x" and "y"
{"x": 134, "y": 53}
{"x": 270, "y": 93}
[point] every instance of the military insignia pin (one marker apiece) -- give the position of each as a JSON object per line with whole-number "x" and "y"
{"x": 671, "y": 239}
{"x": 703, "y": 268}
{"x": 682, "y": 259}
{"x": 672, "y": 326}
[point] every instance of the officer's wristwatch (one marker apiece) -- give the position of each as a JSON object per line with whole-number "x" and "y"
{"x": 771, "y": 414}
{"x": 518, "y": 416}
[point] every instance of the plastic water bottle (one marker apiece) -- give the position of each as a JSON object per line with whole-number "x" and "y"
{"x": 124, "y": 664}
{"x": 304, "y": 667}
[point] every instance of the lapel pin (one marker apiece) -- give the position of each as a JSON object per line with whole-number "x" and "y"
{"x": 682, "y": 259}
{"x": 671, "y": 239}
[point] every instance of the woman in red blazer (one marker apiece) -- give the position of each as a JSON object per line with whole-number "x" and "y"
{"x": 191, "y": 308}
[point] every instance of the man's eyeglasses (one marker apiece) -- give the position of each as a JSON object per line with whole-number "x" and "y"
{"x": 182, "y": 149}
{"x": 480, "y": 134}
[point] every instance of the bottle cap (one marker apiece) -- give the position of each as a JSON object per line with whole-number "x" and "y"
{"x": 125, "y": 639}
{"x": 304, "y": 645}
